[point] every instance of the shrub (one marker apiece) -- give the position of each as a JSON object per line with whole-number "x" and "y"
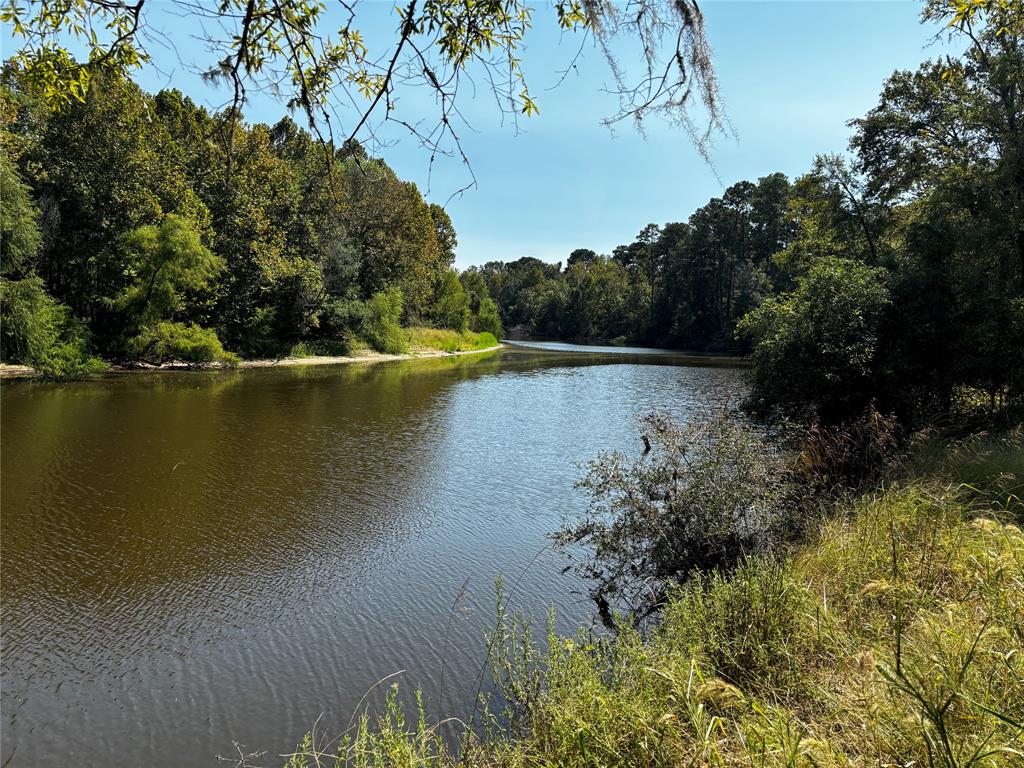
{"x": 39, "y": 331}
{"x": 341, "y": 318}
{"x": 321, "y": 348}
{"x": 168, "y": 341}
{"x": 168, "y": 263}
{"x": 451, "y": 305}
{"x": 700, "y": 498}
{"x": 814, "y": 349}
{"x": 381, "y": 323}
{"x": 255, "y": 337}
{"x": 487, "y": 319}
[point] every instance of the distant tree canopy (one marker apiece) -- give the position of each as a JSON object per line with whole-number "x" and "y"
{"x": 894, "y": 276}
{"x": 685, "y": 284}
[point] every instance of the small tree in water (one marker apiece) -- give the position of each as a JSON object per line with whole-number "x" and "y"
{"x": 701, "y": 497}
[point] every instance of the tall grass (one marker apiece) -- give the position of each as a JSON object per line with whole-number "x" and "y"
{"x": 389, "y": 739}
{"x": 448, "y": 340}
{"x": 893, "y": 637}
{"x": 990, "y": 467}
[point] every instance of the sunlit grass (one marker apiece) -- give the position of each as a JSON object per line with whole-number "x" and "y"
{"x": 893, "y": 637}
{"x": 448, "y": 340}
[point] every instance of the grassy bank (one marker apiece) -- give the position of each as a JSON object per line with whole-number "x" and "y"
{"x": 893, "y": 637}
{"x": 420, "y": 342}
{"x": 447, "y": 340}
{"x": 414, "y": 341}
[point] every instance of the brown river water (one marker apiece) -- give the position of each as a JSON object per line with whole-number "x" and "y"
{"x": 193, "y": 559}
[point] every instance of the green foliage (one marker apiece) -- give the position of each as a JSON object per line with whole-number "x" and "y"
{"x": 814, "y": 348}
{"x": 393, "y": 232}
{"x": 894, "y": 276}
{"x": 381, "y": 324}
{"x": 686, "y": 284}
{"x": 451, "y": 305}
{"x": 485, "y": 315}
{"x": 444, "y": 231}
{"x": 277, "y": 236}
{"x": 35, "y": 329}
{"x": 41, "y": 332}
{"x": 167, "y": 262}
{"x": 701, "y": 497}
{"x": 892, "y": 637}
{"x": 173, "y": 342}
{"x": 19, "y": 227}
{"x": 101, "y": 169}
{"x": 485, "y": 340}
{"x": 144, "y": 222}
{"x": 448, "y": 340}
{"x": 341, "y": 318}
{"x": 487, "y": 318}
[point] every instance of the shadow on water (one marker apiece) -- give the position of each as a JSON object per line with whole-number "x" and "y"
{"x": 193, "y": 558}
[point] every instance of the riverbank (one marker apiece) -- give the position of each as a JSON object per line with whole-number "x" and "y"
{"x": 892, "y": 636}
{"x": 17, "y": 371}
{"x": 363, "y": 357}
{"x": 368, "y": 356}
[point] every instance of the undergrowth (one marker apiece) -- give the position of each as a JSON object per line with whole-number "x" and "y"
{"x": 893, "y": 637}
{"x": 327, "y": 348}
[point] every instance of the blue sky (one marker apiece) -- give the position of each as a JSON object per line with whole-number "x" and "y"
{"x": 791, "y": 75}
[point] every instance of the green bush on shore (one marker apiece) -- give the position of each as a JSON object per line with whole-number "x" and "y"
{"x": 40, "y": 332}
{"x": 381, "y": 326}
{"x": 164, "y": 342}
{"x": 325, "y": 348}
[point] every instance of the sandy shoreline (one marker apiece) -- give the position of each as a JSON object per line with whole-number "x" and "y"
{"x": 25, "y": 372}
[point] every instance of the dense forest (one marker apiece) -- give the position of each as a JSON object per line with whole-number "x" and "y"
{"x": 140, "y": 227}
{"x": 681, "y": 285}
{"x": 895, "y": 273}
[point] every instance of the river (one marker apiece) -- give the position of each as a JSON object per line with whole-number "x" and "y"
{"x": 194, "y": 559}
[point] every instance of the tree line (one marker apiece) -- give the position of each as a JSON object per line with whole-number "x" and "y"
{"x": 145, "y": 227}
{"x": 684, "y": 284}
{"x": 893, "y": 274}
